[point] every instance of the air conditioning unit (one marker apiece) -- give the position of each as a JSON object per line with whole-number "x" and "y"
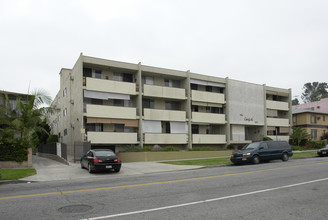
{"x": 72, "y": 101}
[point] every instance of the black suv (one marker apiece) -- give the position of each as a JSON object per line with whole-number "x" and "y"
{"x": 262, "y": 151}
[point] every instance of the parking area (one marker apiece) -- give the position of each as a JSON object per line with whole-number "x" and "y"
{"x": 51, "y": 170}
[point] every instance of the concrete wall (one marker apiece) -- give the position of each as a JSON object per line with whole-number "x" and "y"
{"x": 246, "y": 103}
{"x": 161, "y": 156}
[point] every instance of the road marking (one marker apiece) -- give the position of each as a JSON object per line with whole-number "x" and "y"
{"x": 155, "y": 183}
{"x": 204, "y": 201}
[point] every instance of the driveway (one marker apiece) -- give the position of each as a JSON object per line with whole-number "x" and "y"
{"x": 51, "y": 170}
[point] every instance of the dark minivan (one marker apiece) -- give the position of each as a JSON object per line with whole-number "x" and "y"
{"x": 262, "y": 151}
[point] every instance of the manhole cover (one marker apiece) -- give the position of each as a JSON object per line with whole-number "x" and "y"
{"x": 75, "y": 208}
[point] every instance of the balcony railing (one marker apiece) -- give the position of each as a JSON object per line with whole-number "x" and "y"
{"x": 164, "y": 115}
{"x": 112, "y": 86}
{"x": 276, "y": 105}
{"x": 201, "y": 96}
{"x": 211, "y": 118}
{"x": 112, "y": 137}
{"x": 278, "y": 122}
{"x": 164, "y": 92}
{"x": 103, "y": 111}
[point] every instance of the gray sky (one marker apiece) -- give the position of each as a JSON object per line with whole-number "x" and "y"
{"x": 280, "y": 43}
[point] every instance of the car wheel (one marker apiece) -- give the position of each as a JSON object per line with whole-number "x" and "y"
{"x": 256, "y": 159}
{"x": 89, "y": 168}
{"x": 117, "y": 170}
{"x": 285, "y": 157}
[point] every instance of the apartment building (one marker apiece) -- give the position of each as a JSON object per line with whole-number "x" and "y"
{"x": 114, "y": 104}
{"x": 314, "y": 122}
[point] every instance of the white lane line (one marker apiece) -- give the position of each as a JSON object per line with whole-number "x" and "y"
{"x": 204, "y": 201}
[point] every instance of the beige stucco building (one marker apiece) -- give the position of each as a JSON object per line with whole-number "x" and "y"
{"x": 115, "y": 104}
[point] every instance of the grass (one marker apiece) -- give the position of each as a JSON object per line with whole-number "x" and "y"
{"x": 15, "y": 174}
{"x": 226, "y": 160}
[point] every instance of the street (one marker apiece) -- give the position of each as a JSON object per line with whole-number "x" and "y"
{"x": 296, "y": 189}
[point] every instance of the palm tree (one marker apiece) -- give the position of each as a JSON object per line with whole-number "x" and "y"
{"x": 299, "y": 134}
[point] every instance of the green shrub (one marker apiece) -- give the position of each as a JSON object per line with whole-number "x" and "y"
{"x": 267, "y": 139}
{"x": 52, "y": 138}
{"x": 147, "y": 148}
{"x": 315, "y": 144}
{"x": 13, "y": 150}
{"x": 170, "y": 148}
{"x": 201, "y": 149}
{"x": 324, "y": 136}
{"x": 132, "y": 148}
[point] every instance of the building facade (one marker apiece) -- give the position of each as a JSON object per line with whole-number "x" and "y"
{"x": 115, "y": 104}
{"x": 314, "y": 122}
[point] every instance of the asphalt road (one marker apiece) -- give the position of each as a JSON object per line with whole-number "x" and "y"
{"x": 296, "y": 189}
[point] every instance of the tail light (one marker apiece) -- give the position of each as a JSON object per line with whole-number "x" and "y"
{"x": 117, "y": 160}
{"x": 96, "y": 160}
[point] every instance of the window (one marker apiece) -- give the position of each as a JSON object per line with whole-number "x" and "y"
{"x": 172, "y": 83}
{"x": 65, "y": 132}
{"x": 172, "y": 106}
{"x": 118, "y": 77}
{"x": 98, "y": 74}
{"x": 167, "y": 127}
{"x": 149, "y": 80}
{"x": 148, "y": 103}
{"x": 96, "y": 101}
{"x": 118, "y": 127}
{"x": 64, "y": 92}
{"x": 193, "y": 86}
{"x": 294, "y": 119}
{"x": 65, "y": 112}
{"x": 118, "y": 102}
{"x": 324, "y": 118}
{"x": 194, "y": 108}
{"x": 195, "y": 129}
{"x": 123, "y": 77}
{"x": 59, "y": 135}
{"x": 209, "y": 88}
{"x": 94, "y": 127}
{"x": 87, "y": 72}
{"x": 314, "y": 133}
{"x": 313, "y": 119}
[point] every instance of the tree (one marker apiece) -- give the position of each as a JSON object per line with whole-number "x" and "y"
{"x": 299, "y": 134}
{"x": 21, "y": 122}
{"x": 314, "y": 91}
{"x": 295, "y": 101}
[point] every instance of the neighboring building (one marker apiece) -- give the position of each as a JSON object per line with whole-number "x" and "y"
{"x": 320, "y": 106}
{"x": 114, "y": 104}
{"x": 12, "y": 96}
{"x": 314, "y": 122}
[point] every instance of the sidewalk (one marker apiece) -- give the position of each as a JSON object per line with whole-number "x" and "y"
{"x": 50, "y": 170}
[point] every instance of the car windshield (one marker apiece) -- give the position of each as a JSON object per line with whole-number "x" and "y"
{"x": 251, "y": 146}
{"x": 105, "y": 153}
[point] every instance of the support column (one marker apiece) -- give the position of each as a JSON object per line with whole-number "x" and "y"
{"x": 139, "y": 105}
{"x": 228, "y": 136}
{"x": 188, "y": 109}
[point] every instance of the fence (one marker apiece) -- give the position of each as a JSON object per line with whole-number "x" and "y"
{"x": 79, "y": 148}
{"x": 58, "y": 149}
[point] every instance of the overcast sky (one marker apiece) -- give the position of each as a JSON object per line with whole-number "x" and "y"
{"x": 280, "y": 43}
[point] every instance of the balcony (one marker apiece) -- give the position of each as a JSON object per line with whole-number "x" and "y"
{"x": 210, "y": 118}
{"x": 164, "y": 115}
{"x": 210, "y": 97}
{"x": 278, "y": 122}
{"x": 164, "y": 92}
{"x": 112, "y": 137}
{"x": 104, "y": 85}
{"x": 103, "y": 111}
{"x": 208, "y": 139}
{"x": 276, "y": 105}
{"x": 165, "y": 138}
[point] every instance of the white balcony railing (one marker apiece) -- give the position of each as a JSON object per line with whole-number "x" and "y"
{"x": 112, "y": 137}
{"x": 112, "y": 86}
{"x": 211, "y": 118}
{"x": 278, "y": 122}
{"x": 103, "y": 111}
{"x": 201, "y": 96}
{"x": 164, "y": 115}
{"x": 276, "y": 105}
{"x": 164, "y": 92}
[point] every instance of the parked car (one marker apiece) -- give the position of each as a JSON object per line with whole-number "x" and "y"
{"x": 323, "y": 151}
{"x": 100, "y": 159}
{"x": 262, "y": 151}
